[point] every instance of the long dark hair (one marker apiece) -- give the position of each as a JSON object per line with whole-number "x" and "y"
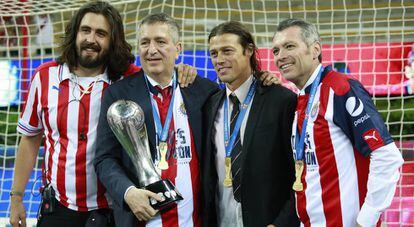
{"x": 245, "y": 40}
{"x": 120, "y": 56}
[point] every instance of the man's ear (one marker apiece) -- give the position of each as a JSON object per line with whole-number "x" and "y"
{"x": 249, "y": 50}
{"x": 316, "y": 49}
{"x": 179, "y": 47}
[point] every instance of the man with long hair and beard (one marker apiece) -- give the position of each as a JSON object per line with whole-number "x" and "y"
{"x": 63, "y": 105}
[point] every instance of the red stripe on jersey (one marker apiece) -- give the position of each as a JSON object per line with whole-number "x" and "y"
{"x": 301, "y": 196}
{"x": 31, "y": 81}
{"x": 62, "y": 124}
{"x": 44, "y": 100}
{"x": 34, "y": 120}
{"x": 83, "y": 127}
{"x": 105, "y": 85}
{"x": 195, "y": 180}
{"x": 101, "y": 199}
{"x": 170, "y": 217}
{"x": 328, "y": 172}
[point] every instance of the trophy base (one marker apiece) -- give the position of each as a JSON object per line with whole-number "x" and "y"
{"x": 167, "y": 191}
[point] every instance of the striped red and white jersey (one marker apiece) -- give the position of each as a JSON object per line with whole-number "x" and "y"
{"x": 183, "y": 162}
{"x": 344, "y": 127}
{"x": 68, "y": 116}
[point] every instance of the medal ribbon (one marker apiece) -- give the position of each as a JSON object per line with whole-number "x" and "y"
{"x": 162, "y": 131}
{"x": 300, "y": 144}
{"x": 229, "y": 144}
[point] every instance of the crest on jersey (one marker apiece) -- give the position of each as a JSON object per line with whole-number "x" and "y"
{"x": 314, "y": 110}
{"x": 181, "y": 109}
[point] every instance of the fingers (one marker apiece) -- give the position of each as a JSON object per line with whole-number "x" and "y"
{"x": 186, "y": 74}
{"x": 180, "y": 69}
{"x": 269, "y": 78}
{"x": 23, "y": 222}
{"x": 273, "y": 80}
{"x": 145, "y": 214}
{"x": 18, "y": 214}
{"x": 18, "y": 221}
{"x": 192, "y": 75}
{"x": 153, "y": 195}
{"x": 138, "y": 201}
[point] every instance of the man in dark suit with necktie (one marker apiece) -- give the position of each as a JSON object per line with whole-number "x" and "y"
{"x": 247, "y": 165}
{"x": 154, "y": 89}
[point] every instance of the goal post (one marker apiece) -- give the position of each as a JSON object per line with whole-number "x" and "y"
{"x": 370, "y": 40}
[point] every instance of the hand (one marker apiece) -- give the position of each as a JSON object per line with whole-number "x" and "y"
{"x": 186, "y": 74}
{"x": 138, "y": 200}
{"x": 268, "y": 78}
{"x": 17, "y": 212}
{"x": 409, "y": 71}
{"x": 358, "y": 225}
{"x": 271, "y": 225}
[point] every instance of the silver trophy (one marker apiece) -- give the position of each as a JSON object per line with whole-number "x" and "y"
{"x": 127, "y": 121}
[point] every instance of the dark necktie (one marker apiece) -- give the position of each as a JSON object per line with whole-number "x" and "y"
{"x": 236, "y": 151}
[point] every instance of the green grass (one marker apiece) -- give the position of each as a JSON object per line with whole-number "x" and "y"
{"x": 8, "y": 123}
{"x": 398, "y": 113}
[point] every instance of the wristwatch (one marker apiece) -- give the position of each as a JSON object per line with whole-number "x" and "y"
{"x": 16, "y": 193}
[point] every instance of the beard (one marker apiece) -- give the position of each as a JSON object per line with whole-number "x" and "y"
{"x": 88, "y": 61}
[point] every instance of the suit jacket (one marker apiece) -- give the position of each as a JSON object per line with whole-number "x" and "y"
{"x": 267, "y": 167}
{"x": 112, "y": 164}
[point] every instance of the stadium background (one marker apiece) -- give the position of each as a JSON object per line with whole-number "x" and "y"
{"x": 370, "y": 40}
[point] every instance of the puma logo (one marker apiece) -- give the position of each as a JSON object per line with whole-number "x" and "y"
{"x": 367, "y": 137}
{"x": 55, "y": 88}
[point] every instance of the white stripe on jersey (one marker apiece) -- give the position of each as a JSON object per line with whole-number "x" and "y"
{"x": 345, "y": 162}
{"x": 72, "y": 116}
{"x": 52, "y": 97}
{"x": 92, "y": 184}
{"x": 314, "y": 204}
{"x": 185, "y": 207}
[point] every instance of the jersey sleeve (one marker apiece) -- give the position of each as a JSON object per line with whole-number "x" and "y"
{"x": 30, "y": 119}
{"x": 357, "y": 116}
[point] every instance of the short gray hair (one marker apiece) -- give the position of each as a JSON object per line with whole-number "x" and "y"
{"x": 174, "y": 28}
{"x": 309, "y": 32}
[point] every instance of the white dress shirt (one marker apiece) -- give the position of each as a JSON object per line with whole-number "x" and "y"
{"x": 230, "y": 214}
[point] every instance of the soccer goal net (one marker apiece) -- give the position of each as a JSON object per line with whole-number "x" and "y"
{"x": 370, "y": 40}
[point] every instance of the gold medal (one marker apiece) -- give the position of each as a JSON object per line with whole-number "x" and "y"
{"x": 298, "y": 186}
{"x": 163, "y": 164}
{"x": 227, "y": 166}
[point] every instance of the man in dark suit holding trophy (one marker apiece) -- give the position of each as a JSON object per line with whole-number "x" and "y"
{"x": 173, "y": 124}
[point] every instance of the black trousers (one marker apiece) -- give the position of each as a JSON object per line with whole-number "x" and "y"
{"x": 65, "y": 217}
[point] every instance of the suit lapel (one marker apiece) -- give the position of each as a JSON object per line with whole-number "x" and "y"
{"x": 191, "y": 103}
{"x": 254, "y": 116}
{"x": 214, "y": 108}
{"x": 139, "y": 94}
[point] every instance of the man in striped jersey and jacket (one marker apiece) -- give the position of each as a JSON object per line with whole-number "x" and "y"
{"x": 345, "y": 159}
{"x": 63, "y": 106}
